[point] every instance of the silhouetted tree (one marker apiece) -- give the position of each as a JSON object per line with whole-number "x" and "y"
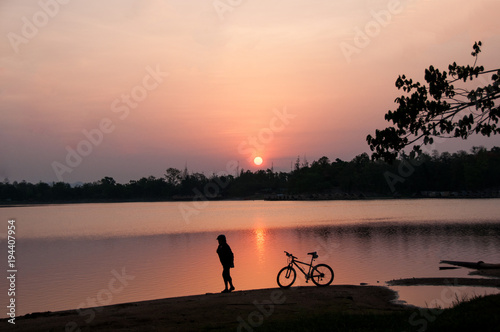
{"x": 173, "y": 176}
{"x": 297, "y": 164}
{"x": 439, "y": 109}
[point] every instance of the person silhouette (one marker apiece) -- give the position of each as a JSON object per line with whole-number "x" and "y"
{"x": 226, "y": 258}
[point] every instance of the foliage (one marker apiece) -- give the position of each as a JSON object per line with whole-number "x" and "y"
{"x": 439, "y": 109}
{"x": 478, "y": 314}
{"x": 322, "y": 179}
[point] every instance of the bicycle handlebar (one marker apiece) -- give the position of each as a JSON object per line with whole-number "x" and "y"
{"x": 314, "y": 254}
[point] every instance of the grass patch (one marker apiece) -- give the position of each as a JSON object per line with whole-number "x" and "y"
{"x": 476, "y": 314}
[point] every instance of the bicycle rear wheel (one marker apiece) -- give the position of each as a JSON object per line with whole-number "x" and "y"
{"x": 322, "y": 275}
{"x": 286, "y": 277}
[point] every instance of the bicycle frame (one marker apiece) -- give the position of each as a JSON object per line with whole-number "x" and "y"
{"x": 295, "y": 261}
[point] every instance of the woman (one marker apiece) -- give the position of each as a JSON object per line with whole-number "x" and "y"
{"x": 227, "y": 260}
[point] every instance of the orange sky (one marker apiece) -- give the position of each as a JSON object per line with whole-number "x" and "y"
{"x": 135, "y": 87}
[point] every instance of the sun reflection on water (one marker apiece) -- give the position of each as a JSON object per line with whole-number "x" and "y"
{"x": 260, "y": 241}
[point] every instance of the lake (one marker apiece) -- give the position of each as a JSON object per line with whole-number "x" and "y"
{"x": 82, "y": 255}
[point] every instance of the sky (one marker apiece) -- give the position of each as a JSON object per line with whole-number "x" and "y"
{"x": 127, "y": 88}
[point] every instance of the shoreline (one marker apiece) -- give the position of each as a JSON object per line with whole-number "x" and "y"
{"x": 454, "y": 282}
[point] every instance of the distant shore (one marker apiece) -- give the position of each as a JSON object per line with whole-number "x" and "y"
{"x": 287, "y": 198}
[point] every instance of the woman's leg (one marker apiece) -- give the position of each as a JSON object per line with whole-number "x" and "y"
{"x": 229, "y": 279}
{"x": 226, "y": 275}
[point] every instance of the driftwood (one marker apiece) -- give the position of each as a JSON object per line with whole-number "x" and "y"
{"x": 473, "y": 265}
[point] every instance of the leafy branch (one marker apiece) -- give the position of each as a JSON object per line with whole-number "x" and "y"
{"x": 439, "y": 109}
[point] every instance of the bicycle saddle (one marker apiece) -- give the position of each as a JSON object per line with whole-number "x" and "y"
{"x": 314, "y": 254}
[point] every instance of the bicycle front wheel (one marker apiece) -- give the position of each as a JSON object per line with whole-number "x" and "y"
{"x": 286, "y": 277}
{"x": 322, "y": 275}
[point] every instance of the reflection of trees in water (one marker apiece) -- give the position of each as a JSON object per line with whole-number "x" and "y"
{"x": 389, "y": 230}
{"x": 408, "y": 238}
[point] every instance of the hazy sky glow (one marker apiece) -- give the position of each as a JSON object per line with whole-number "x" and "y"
{"x": 134, "y": 87}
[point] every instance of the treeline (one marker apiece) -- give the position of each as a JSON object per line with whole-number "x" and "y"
{"x": 461, "y": 173}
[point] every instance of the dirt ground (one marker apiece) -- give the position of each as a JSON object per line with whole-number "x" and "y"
{"x": 245, "y": 310}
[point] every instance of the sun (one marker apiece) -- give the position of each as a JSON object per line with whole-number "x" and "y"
{"x": 257, "y": 161}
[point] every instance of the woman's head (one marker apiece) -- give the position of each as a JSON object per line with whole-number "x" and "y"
{"x": 221, "y": 238}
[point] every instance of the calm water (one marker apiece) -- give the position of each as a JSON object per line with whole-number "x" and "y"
{"x": 83, "y": 255}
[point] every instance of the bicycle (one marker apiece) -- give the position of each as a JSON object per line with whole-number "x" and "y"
{"x": 321, "y": 274}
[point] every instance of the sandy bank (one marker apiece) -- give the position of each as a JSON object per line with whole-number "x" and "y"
{"x": 215, "y": 311}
